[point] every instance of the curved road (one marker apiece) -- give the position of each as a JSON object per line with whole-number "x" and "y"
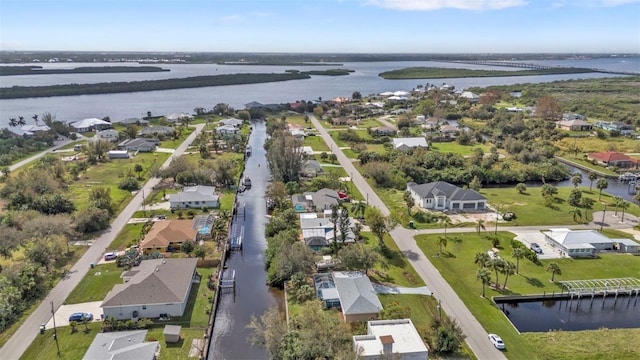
{"x": 20, "y": 341}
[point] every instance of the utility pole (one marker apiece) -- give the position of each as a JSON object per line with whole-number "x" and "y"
{"x": 603, "y": 214}
{"x": 497, "y": 217}
{"x": 55, "y": 331}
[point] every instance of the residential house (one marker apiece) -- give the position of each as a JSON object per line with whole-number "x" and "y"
{"x": 237, "y": 123}
{"x": 390, "y": 339}
{"x": 139, "y": 144}
{"x": 358, "y": 299}
{"x": 307, "y": 150}
{"x": 156, "y": 130}
{"x": 118, "y": 154}
{"x": 628, "y": 246}
{"x": 338, "y": 121}
{"x": 167, "y": 235}
{"x": 471, "y": 97}
{"x": 36, "y": 129}
{"x": 195, "y": 197}
{"x": 405, "y": 144}
{"x": 622, "y": 128}
{"x": 383, "y": 131}
{"x": 420, "y": 119}
{"x": 570, "y": 117}
{"x": 318, "y": 233}
{"x": 257, "y": 105}
{"x": 578, "y": 243}
{"x": 449, "y": 130}
{"x": 155, "y": 288}
{"x": 106, "y": 135}
{"x": 227, "y": 130}
{"x": 132, "y": 121}
{"x": 574, "y": 125}
{"x": 122, "y": 345}
{"x": 178, "y": 117}
{"x": 297, "y": 133}
{"x": 312, "y": 168}
{"x": 90, "y": 124}
{"x": 318, "y": 201}
{"x": 441, "y": 196}
{"x": 613, "y": 158}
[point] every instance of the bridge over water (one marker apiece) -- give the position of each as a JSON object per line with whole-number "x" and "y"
{"x": 531, "y": 66}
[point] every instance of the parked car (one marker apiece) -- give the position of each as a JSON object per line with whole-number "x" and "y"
{"x": 80, "y": 316}
{"x": 110, "y": 256}
{"x": 497, "y": 341}
{"x": 536, "y": 248}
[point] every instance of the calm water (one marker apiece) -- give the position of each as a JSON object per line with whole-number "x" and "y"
{"x": 541, "y": 316}
{"x": 253, "y": 297}
{"x": 119, "y": 106}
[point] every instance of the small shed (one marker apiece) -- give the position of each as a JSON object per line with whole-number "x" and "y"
{"x": 172, "y": 333}
{"x": 118, "y": 154}
{"x": 627, "y": 245}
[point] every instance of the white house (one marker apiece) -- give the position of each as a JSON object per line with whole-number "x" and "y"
{"x": 473, "y": 98}
{"x": 404, "y": 144}
{"x": 139, "y": 144}
{"x": 195, "y": 197}
{"x": 177, "y": 117}
{"x": 237, "y": 123}
{"x": 390, "y": 339}
{"x": 227, "y": 130}
{"x": 578, "y": 243}
{"x": 107, "y": 135}
{"x": 122, "y": 345}
{"x": 441, "y": 195}
{"x": 155, "y": 287}
{"x": 90, "y": 125}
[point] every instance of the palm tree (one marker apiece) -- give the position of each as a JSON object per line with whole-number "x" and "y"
{"x": 616, "y": 202}
{"x": 481, "y": 259}
{"x": 497, "y": 265}
{"x": 21, "y": 121}
{"x": 623, "y": 205}
{"x": 13, "y": 122}
{"x": 518, "y": 253}
{"x": 446, "y": 221}
{"x": 592, "y": 176}
{"x": 409, "y": 200}
{"x": 484, "y": 276}
{"x": 576, "y": 179}
{"x": 508, "y": 269}
{"x": 480, "y": 225}
{"x": 576, "y": 214}
{"x": 554, "y": 269}
{"x": 35, "y": 118}
{"x": 441, "y": 241}
{"x": 601, "y": 184}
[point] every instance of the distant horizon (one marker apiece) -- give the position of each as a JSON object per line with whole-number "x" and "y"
{"x": 323, "y": 26}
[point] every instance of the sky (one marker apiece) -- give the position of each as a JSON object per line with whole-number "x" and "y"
{"x": 321, "y": 26}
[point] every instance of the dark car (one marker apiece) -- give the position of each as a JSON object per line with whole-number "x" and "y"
{"x": 80, "y": 316}
{"x": 536, "y": 248}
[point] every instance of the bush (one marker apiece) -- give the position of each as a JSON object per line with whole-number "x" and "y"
{"x": 129, "y": 184}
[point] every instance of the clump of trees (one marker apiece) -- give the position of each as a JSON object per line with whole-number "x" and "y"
{"x": 284, "y": 152}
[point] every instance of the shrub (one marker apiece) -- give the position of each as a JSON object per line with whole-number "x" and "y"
{"x": 129, "y": 184}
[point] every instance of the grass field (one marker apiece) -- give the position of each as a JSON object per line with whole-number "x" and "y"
{"x": 454, "y": 147}
{"x": 458, "y": 268}
{"x": 588, "y": 164}
{"x": 96, "y": 284}
{"x": 316, "y": 143}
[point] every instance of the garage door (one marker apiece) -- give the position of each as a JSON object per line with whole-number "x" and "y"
{"x": 469, "y": 206}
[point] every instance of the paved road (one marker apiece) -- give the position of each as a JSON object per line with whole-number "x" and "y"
{"x": 451, "y": 303}
{"x": 20, "y": 341}
{"x": 58, "y": 144}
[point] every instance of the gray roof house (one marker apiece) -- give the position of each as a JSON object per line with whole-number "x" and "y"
{"x": 318, "y": 233}
{"x": 122, "y": 345}
{"x": 90, "y": 125}
{"x": 227, "y": 130}
{"x": 404, "y": 144}
{"x": 107, "y": 135}
{"x": 195, "y": 197}
{"x": 441, "y": 195}
{"x": 132, "y": 121}
{"x": 358, "y": 299}
{"x": 317, "y": 201}
{"x": 154, "y": 288}
{"x": 237, "y": 123}
{"x": 154, "y": 130}
{"x": 139, "y": 144}
{"x": 578, "y": 243}
{"x": 312, "y": 168}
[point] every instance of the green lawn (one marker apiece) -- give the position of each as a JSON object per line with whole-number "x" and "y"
{"x": 588, "y": 164}
{"x": 454, "y": 147}
{"x": 396, "y": 270}
{"x": 458, "y": 268}
{"x": 174, "y": 143}
{"x": 316, "y": 143}
{"x": 128, "y": 236}
{"x": 72, "y": 346}
{"x": 96, "y": 284}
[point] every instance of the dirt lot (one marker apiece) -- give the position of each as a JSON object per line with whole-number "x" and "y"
{"x": 473, "y": 217}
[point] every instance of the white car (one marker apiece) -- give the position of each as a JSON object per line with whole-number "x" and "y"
{"x": 497, "y": 341}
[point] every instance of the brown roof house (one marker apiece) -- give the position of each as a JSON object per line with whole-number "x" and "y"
{"x": 612, "y": 158}
{"x": 168, "y": 235}
{"x": 155, "y": 288}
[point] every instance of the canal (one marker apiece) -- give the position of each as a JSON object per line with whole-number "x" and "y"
{"x": 252, "y": 296}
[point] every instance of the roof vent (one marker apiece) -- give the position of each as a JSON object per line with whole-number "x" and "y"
{"x": 157, "y": 269}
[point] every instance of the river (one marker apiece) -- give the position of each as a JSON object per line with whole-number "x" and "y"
{"x": 252, "y": 297}
{"x": 365, "y": 79}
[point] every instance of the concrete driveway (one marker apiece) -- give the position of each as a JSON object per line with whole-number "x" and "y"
{"x": 535, "y": 236}
{"x": 64, "y": 311}
{"x": 384, "y": 289}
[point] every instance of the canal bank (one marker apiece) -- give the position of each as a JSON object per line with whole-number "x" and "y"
{"x": 250, "y": 296}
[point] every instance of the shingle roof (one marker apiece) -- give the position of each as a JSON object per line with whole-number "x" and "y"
{"x": 452, "y": 192}
{"x": 86, "y": 123}
{"x": 325, "y": 198}
{"x": 121, "y": 345}
{"x": 575, "y": 237}
{"x": 156, "y": 130}
{"x": 357, "y": 295}
{"x": 195, "y": 193}
{"x": 164, "y": 232}
{"x": 136, "y": 143}
{"x": 410, "y": 142}
{"x": 609, "y": 156}
{"x": 160, "y": 281}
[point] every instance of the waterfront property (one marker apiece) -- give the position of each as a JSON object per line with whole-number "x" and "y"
{"x": 318, "y": 233}
{"x": 318, "y": 201}
{"x": 578, "y": 243}
{"x": 90, "y": 124}
{"x": 352, "y": 292}
{"x": 395, "y": 339}
{"x": 613, "y": 158}
{"x": 156, "y": 130}
{"x": 122, "y": 345}
{"x": 195, "y": 197}
{"x": 168, "y": 235}
{"x": 237, "y": 123}
{"x": 441, "y": 196}
{"x": 155, "y": 288}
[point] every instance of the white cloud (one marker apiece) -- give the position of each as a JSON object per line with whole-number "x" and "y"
{"x": 454, "y": 4}
{"x": 592, "y": 3}
{"x": 230, "y": 18}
